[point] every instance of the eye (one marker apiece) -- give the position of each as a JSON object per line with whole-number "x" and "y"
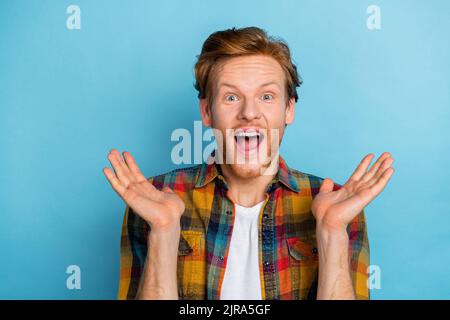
{"x": 267, "y": 96}
{"x": 231, "y": 98}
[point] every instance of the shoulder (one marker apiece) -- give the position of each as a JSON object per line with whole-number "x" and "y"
{"x": 308, "y": 181}
{"x": 177, "y": 178}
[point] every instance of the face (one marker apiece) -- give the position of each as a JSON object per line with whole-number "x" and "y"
{"x": 248, "y": 112}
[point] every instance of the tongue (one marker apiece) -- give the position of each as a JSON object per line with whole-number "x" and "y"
{"x": 246, "y": 144}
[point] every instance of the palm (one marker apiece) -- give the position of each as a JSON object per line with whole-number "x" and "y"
{"x": 335, "y": 209}
{"x": 162, "y": 209}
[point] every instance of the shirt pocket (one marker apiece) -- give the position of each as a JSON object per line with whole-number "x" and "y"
{"x": 301, "y": 251}
{"x": 191, "y": 267}
{"x": 303, "y": 264}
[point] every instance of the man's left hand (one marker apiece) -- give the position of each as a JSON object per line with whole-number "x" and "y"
{"x": 334, "y": 210}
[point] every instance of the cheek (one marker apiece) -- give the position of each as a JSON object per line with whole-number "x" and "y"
{"x": 275, "y": 118}
{"x": 221, "y": 118}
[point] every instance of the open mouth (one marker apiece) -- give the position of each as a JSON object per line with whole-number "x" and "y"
{"x": 248, "y": 140}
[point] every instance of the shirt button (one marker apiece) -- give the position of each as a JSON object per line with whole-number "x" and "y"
{"x": 265, "y": 216}
{"x": 229, "y": 212}
{"x": 221, "y": 258}
{"x": 314, "y": 250}
{"x": 266, "y": 263}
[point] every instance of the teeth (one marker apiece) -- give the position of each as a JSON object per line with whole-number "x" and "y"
{"x": 247, "y": 134}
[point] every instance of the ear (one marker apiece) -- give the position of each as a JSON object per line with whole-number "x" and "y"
{"x": 290, "y": 111}
{"x": 205, "y": 112}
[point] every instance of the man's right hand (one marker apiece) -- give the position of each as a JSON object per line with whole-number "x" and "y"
{"x": 161, "y": 209}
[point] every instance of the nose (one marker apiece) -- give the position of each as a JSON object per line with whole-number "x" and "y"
{"x": 249, "y": 111}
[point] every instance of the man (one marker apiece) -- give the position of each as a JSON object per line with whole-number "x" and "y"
{"x": 234, "y": 228}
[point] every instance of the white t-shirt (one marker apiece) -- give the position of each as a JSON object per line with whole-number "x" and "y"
{"x": 242, "y": 279}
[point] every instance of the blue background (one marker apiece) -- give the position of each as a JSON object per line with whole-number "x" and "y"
{"x": 125, "y": 80}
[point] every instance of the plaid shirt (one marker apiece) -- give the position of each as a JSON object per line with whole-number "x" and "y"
{"x": 288, "y": 254}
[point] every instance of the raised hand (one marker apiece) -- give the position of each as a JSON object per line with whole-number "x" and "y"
{"x": 333, "y": 210}
{"x": 161, "y": 209}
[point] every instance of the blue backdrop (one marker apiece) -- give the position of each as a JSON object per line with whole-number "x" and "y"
{"x": 125, "y": 80}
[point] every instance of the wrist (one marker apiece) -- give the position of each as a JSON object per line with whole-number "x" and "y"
{"x": 167, "y": 237}
{"x": 166, "y": 231}
{"x": 332, "y": 243}
{"x": 336, "y": 234}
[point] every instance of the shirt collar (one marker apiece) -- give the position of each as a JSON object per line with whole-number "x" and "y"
{"x": 210, "y": 170}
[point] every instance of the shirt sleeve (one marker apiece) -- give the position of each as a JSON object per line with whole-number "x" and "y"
{"x": 133, "y": 252}
{"x": 359, "y": 256}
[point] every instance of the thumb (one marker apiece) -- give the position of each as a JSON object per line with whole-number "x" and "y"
{"x": 168, "y": 190}
{"x": 327, "y": 185}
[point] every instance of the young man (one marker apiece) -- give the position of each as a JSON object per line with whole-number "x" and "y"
{"x": 234, "y": 228}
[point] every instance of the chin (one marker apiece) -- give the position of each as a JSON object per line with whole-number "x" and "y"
{"x": 247, "y": 171}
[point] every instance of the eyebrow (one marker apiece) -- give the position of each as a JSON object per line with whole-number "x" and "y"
{"x": 261, "y": 86}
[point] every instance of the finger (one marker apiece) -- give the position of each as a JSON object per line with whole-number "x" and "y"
{"x": 326, "y": 186}
{"x": 369, "y": 174}
{"x": 382, "y": 181}
{"x": 122, "y": 162}
{"x": 362, "y": 167}
{"x": 353, "y": 205}
{"x": 118, "y": 169}
{"x": 131, "y": 163}
{"x": 387, "y": 163}
{"x": 115, "y": 183}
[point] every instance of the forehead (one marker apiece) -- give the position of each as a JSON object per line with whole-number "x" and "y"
{"x": 249, "y": 72}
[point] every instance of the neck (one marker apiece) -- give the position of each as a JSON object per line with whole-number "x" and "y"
{"x": 246, "y": 192}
